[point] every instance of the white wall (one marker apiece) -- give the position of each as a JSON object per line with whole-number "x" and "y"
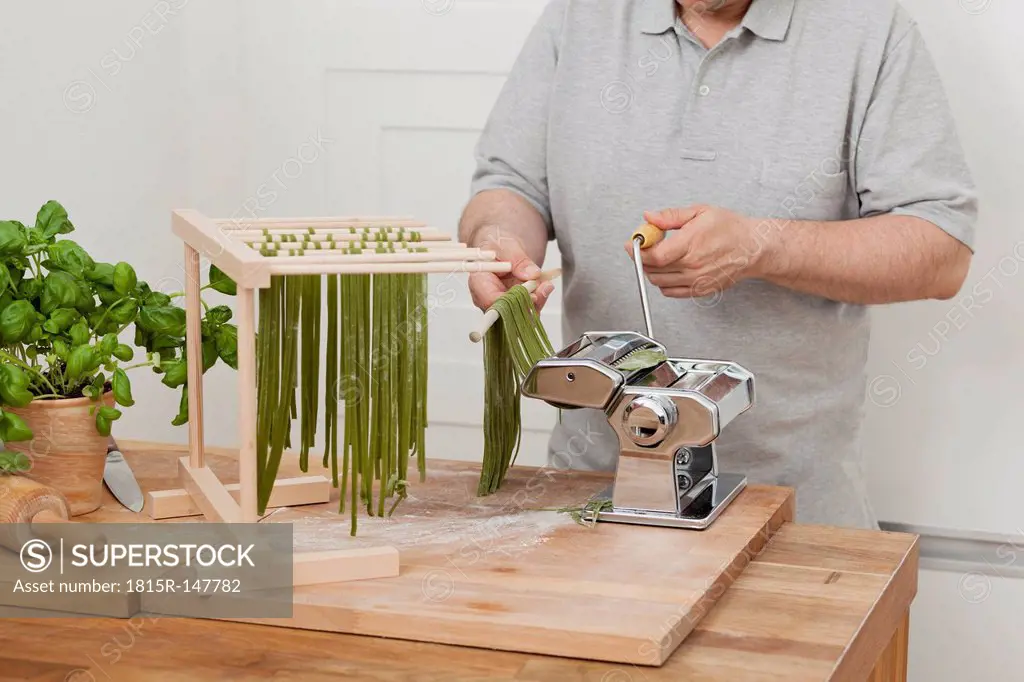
{"x": 381, "y": 100}
{"x": 93, "y": 113}
{"x": 943, "y": 428}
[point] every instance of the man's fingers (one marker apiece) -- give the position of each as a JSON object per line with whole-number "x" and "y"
{"x": 667, "y": 251}
{"x": 673, "y": 218}
{"x": 485, "y": 288}
{"x": 511, "y": 251}
{"x": 679, "y": 292}
{"x": 664, "y": 280}
{"x": 700, "y": 288}
{"x": 541, "y": 295}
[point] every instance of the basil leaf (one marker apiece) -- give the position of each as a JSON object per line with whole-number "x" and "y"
{"x": 155, "y": 299}
{"x": 102, "y": 425}
{"x": 123, "y": 352}
{"x": 30, "y": 289}
{"x": 221, "y": 282}
{"x": 52, "y": 220}
{"x": 218, "y": 315}
{"x": 14, "y": 386}
{"x": 61, "y": 319}
{"x": 209, "y": 354}
{"x": 79, "y": 333}
{"x": 111, "y": 413}
{"x": 36, "y": 240}
{"x": 175, "y": 373}
{"x": 122, "y": 388}
{"x": 227, "y": 344}
{"x": 108, "y": 297}
{"x": 16, "y": 322}
{"x": 124, "y": 278}
{"x": 166, "y": 319}
{"x": 61, "y": 349}
{"x": 13, "y": 239}
{"x": 108, "y": 343}
{"x": 81, "y": 361}
{"x": 124, "y": 312}
{"x": 59, "y": 291}
{"x": 16, "y": 273}
{"x": 101, "y": 273}
{"x": 86, "y": 300}
{"x": 13, "y": 428}
{"x": 182, "y": 416}
{"x": 68, "y": 256}
{"x": 141, "y": 338}
{"x": 14, "y": 462}
{"x": 98, "y": 386}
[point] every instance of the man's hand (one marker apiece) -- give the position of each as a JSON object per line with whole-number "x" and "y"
{"x": 713, "y": 250}
{"x": 487, "y": 287}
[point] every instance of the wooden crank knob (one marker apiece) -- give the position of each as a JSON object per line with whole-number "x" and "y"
{"x": 649, "y": 235}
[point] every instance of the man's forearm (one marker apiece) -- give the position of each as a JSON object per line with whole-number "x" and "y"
{"x": 499, "y": 214}
{"x": 878, "y": 260}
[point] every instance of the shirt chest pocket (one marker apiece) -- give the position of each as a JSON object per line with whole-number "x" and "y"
{"x": 805, "y": 192}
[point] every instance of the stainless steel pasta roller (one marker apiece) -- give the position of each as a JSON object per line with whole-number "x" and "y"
{"x": 666, "y": 413}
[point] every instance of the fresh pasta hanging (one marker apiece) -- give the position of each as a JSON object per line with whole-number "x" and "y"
{"x": 512, "y": 346}
{"x": 374, "y": 375}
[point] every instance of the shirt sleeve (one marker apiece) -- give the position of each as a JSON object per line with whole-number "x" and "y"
{"x": 909, "y": 158}
{"x": 512, "y": 151}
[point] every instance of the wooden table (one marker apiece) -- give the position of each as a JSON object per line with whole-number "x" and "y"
{"x": 816, "y": 604}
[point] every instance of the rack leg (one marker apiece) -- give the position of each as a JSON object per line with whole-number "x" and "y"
{"x": 247, "y": 405}
{"x": 194, "y": 355}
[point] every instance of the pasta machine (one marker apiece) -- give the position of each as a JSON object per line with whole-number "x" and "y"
{"x": 666, "y": 413}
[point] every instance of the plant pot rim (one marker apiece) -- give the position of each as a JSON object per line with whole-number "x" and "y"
{"x": 57, "y": 403}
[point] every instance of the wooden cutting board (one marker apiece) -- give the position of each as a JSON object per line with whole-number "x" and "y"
{"x": 503, "y": 572}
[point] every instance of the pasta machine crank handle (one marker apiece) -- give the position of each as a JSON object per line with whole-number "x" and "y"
{"x": 645, "y": 237}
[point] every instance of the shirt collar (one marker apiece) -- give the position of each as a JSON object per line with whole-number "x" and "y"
{"x": 768, "y": 19}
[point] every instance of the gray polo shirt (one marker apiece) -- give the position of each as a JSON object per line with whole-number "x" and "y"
{"x": 811, "y": 110}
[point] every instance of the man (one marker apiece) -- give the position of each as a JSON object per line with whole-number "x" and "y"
{"x": 804, "y": 158}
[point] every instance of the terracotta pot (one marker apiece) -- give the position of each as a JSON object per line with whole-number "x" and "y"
{"x": 67, "y": 452}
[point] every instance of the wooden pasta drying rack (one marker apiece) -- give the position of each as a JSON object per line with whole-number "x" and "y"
{"x": 287, "y": 246}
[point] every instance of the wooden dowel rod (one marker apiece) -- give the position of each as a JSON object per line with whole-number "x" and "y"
{"x": 334, "y": 227}
{"x": 491, "y": 316}
{"x": 316, "y": 219}
{"x": 288, "y": 228}
{"x": 414, "y": 247}
{"x": 247, "y": 410}
{"x": 389, "y": 268}
{"x": 327, "y": 258}
{"x": 194, "y": 357}
{"x": 281, "y": 235}
{"x": 346, "y": 237}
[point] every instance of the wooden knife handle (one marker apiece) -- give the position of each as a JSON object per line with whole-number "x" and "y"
{"x": 49, "y": 516}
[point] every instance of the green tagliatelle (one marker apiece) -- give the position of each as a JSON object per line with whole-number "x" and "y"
{"x": 641, "y": 359}
{"x": 512, "y": 346}
{"x": 375, "y": 369}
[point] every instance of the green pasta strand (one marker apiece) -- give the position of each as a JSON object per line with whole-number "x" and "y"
{"x": 512, "y": 346}
{"x": 374, "y": 376}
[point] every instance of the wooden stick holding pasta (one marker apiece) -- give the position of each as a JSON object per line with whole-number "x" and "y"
{"x": 491, "y": 316}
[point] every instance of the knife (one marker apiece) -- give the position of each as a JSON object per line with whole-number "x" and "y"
{"x": 120, "y": 480}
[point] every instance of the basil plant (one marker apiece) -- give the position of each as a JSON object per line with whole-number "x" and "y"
{"x": 65, "y": 318}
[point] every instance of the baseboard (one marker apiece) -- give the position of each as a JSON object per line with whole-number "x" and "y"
{"x": 958, "y": 551}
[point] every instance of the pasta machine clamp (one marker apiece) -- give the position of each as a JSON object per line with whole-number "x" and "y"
{"x": 666, "y": 413}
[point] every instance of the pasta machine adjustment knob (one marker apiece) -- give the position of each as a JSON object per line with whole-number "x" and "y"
{"x": 648, "y": 419}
